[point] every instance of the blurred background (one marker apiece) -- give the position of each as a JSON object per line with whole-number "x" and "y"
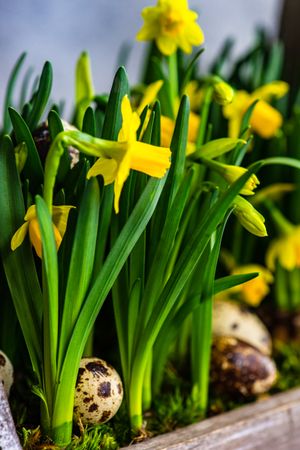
{"x": 58, "y": 30}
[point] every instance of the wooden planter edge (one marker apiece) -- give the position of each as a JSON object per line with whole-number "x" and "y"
{"x": 270, "y": 423}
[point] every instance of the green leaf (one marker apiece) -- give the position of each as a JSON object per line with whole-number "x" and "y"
{"x": 82, "y": 260}
{"x": 89, "y": 123}
{"x": 176, "y": 172}
{"x": 10, "y": 91}
{"x": 41, "y": 97}
{"x": 113, "y": 118}
{"x": 247, "y": 117}
{"x": 182, "y": 272}
{"x": 189, "y": 70}
{"x": 273, "y": 70}
{"x": 221, "y": 284}
{"x": 50, "y": 299}
{"x": 99, "y": 291}
{"x": 33, "y": 168}
{"x": 55, "y": 127}
{"x": 217, "y": 147}
{"x": 19, "y": 265}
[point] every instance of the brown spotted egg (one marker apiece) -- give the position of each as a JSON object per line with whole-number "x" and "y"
{"x": 231, "y": 319}
{"x": 6, "y": 372}
{"x": 99, "y": 392}
{"x": 240, "y": 368}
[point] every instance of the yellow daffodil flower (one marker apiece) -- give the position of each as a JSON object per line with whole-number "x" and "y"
{"x": 253, "y": 291}
{"x": 285, "y": 250}
{"x": 249, "y": 217}
{"x": 60, "y": 218}
{"x": 116, "y": 161}
{"x": 265, "y": 119}
{"x": 171, "y": 24}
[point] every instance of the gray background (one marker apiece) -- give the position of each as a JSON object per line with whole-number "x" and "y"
{"x": 58, "y": 30}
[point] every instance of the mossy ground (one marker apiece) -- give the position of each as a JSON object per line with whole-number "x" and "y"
{"x": 173, "y": 409}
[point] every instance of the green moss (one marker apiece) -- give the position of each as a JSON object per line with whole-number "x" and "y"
{"x": 287, "y": 358}
{"x": 95, "y": 438}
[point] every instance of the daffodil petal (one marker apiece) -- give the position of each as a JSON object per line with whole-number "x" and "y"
{"x": 123, "y": 172}
{"x": 35, "y": 236}
{"x": 60, "y": 216}
{"x": 31, "y": 213}
{"x": 19, "y": 236}
{"x": 105, "y": 167}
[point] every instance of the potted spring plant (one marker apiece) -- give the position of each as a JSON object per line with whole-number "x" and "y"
{"x": 130, "y": 206}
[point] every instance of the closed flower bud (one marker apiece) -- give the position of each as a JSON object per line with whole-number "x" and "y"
{"x": 232, "y": 173}
{"x": 249, "y": 217}
{"x": 223, "y": 93}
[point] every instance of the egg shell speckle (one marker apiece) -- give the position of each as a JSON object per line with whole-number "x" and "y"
{"x": 6, "y": 372}
{"x": 231, "y": 319}
{"x": 99, "y": 392}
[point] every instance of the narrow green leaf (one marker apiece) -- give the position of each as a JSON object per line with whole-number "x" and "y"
{"x": 89, "y": 123}
{"x": 10, "y": 91}
{"x": 189, "y": 70}
{"x": 113, "y": 118}
{"x": 55, "y": 127}
{"x": 183, "y": 270}
{"x": 50, "y": 299}
{"x": 102, "y": 285}
{"x": 82, "y": 260}
{"x": 33, "y": 168}
{"x": 41, "y": 97}
{"x": 19, "y": 265}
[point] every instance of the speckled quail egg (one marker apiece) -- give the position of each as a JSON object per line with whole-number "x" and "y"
{"x": 99, "y": 392}
{"x": 231, "y": 319}
{"x": 239, "y": 368}
{"x": 6, "y": 372}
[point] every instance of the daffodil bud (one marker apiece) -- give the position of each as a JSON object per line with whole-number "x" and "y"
{"x": 223, "y": 93}
{"x": 231, "y": 173}
{"x": 249, "y": 217}
{"x": 21, "y": 155}
{"x": 217, "y": 147}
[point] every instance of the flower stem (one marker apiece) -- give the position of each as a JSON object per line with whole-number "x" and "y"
{"x": 147, "y": 385}
{"x": 201, "y": 349}
{"x": 204, "y": 116}
{"x": 173, "y": 79}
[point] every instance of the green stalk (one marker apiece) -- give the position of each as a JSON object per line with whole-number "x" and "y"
{"x": 50, "y": 299}
{"x": 173, "y": 79}
{"x": 201, "y": 349}
{"x": 204, "y": 116}
{"x": 147, "y": 384}
{"x": 294, "y": 285}
{"x": 280, "y": 288}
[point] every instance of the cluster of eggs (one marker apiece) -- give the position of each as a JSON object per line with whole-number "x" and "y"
{"x": 241, "y": 352}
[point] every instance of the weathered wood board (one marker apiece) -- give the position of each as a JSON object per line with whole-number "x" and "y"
{"x": 273, "y": 424}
